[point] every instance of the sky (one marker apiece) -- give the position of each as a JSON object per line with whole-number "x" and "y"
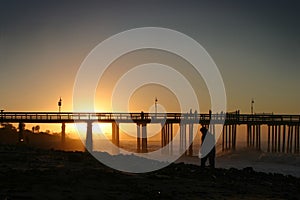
{"x": 255, "y": 44}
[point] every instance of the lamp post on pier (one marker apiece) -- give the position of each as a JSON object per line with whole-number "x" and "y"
{"x": 59, "y": 105}
{"x": 252, "y": 105}
{"x": 155, "y": 106}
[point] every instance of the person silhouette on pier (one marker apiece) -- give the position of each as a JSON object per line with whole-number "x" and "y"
{"x": 142, "y": 115}
{"x": 210, "y": 140}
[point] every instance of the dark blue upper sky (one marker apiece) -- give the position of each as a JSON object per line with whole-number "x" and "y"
{"x": 255, "y": 44}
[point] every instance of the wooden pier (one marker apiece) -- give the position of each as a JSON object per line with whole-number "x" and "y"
{"x": 282, "y": 135}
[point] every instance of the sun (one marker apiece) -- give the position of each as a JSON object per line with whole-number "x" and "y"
{"x": 78, "y": 130}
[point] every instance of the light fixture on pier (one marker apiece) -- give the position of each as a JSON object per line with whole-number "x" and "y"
{"x": 252, "y": 105}
{"x": 156, "y": 100}
{"x": 59, "y": 104}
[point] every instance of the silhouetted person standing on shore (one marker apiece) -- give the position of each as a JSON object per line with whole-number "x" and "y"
{"x": 210, "y": 141}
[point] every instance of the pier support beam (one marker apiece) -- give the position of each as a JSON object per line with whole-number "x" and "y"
{"x": 138, "y": 138}
{"x": 288, "y": 139}
{"x": 223, "y": 138}
{"x": 63, "y": 133}
{"x": 234, "y": 136}
{"x": 115, "y": 134}
{"x": 229, "y": 137}
{"x": 162, "y": 139}
{"x": 269, "y": 137}
{"x": 289, "y": 133}
{"x": 144, "y": 138}
{"x": 21, "y": 132}
{"x": 226, "y": 137}
{"x": 167, "y": 137}
{"x": 295, "y": 138}
{"x": 298, "y": 139}
{"x": 274, "y": 138}
{"x": 89, "y": 137}
{"x": 278, "y": 138}
{"x": 248, "y": 135}
{"x": 115, "y": 137}
{"x": 258, "y": 137}
{"x": 254, "y": 136}
{"x": 283, "y": 138}
{"x": 191, "y": 135}
{"x": 170, "y": 134}
{"x": 182, "y": 145}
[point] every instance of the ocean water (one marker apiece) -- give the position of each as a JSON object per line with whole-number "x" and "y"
{"x": 152, "y": 145}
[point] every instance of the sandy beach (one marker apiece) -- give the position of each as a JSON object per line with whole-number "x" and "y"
{"x": 30, "y": 173}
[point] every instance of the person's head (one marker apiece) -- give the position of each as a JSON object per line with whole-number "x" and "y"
{"x": 203, "y": 130}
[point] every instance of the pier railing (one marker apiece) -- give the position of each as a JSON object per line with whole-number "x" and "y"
{"x": 70, "y": 117}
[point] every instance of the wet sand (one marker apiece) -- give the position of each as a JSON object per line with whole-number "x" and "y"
{"x": 30, "y": 173}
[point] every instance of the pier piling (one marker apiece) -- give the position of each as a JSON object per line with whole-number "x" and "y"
{"x": 89, "y": 137}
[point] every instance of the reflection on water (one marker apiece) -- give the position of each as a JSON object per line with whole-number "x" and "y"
{"x": 131, "y": 146}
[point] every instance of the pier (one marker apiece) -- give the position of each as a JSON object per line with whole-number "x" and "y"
{"x": 282, "y": 130}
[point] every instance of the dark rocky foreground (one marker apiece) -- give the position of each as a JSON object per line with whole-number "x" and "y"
{"x": 28, "y": 173}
